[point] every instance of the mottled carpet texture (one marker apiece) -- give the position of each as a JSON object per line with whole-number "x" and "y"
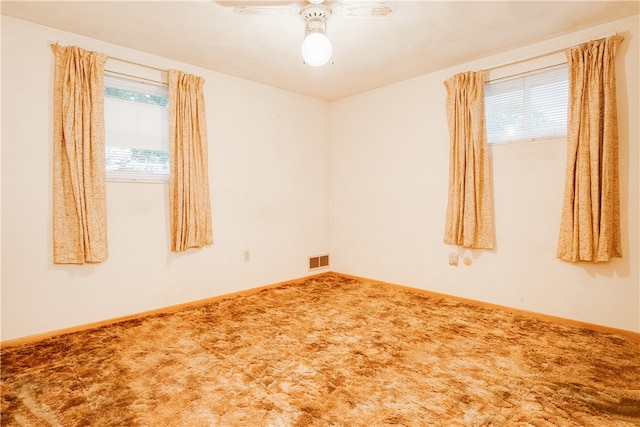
{"x": 326, "y": 351}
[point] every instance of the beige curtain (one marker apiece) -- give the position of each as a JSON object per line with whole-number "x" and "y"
{"x": 590, "y": 223}
{"x": 469, "y": 221}
{"x": 189, "y": 201}
{"x": 79, "y": 191}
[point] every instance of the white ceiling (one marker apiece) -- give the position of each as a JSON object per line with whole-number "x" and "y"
{"x": 418, "y": 38}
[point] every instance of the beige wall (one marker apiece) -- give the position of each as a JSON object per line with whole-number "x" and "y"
{"x": 268, "y": 168}
{"x": 273, "y": 157}
{"x": 389, "y": 172}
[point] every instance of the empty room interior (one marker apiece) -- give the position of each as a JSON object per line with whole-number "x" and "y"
{"x": 331, "y": 177}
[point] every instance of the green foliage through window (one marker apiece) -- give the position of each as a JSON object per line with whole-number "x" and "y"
{"x": 143, "y": 98}
{"x": 137, "y": 160}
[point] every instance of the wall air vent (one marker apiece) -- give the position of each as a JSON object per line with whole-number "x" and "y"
{"x": 320, "y": 261}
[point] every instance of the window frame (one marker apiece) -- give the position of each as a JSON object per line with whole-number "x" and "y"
{"x": 527, "y": 85}
{"x": 138, "y": 85}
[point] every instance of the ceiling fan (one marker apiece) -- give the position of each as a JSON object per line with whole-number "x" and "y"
{"x": 316, "y": 47}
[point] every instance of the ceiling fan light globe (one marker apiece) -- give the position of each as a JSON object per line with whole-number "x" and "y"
{"x": 316, "y": 49}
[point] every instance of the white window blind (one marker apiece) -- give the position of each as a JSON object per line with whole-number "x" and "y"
{"x": 136, "y": 130}
{"x": 527, "y": 106}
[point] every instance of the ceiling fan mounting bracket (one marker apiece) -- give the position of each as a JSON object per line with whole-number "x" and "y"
{"x": 315, "y": 13}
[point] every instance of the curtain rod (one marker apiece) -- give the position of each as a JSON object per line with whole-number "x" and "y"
{"x": 136, "y": 77}
{"x": 115, "y": 58}
{"x": 133, "y": 76}
{"x": 128, "y": 61}
{"x": 518, "y": 61}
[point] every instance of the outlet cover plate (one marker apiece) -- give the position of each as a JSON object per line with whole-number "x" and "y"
{"x": 453, "y": 258}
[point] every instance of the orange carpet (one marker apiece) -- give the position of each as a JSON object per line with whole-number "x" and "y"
{"x": 326, "y": 351}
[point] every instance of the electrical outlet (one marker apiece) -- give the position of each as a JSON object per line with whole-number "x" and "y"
{"x": 247, "y": 256}
{"x": 453, "y": 258}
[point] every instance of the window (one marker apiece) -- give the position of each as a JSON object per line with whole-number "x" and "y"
{"x": 136, "y": 130}
{"x": 527, "y": 107}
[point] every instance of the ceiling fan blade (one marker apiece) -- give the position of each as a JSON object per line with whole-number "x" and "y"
{"x": 265, "y": 10}
{"x": 371, "y": 10}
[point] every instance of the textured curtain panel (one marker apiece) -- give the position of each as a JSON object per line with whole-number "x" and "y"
{"x": 469, "y": 221}
{"x": 79, "y": 190}
{"x": 590, "y": 223}
{"x": 189, "y": 182}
